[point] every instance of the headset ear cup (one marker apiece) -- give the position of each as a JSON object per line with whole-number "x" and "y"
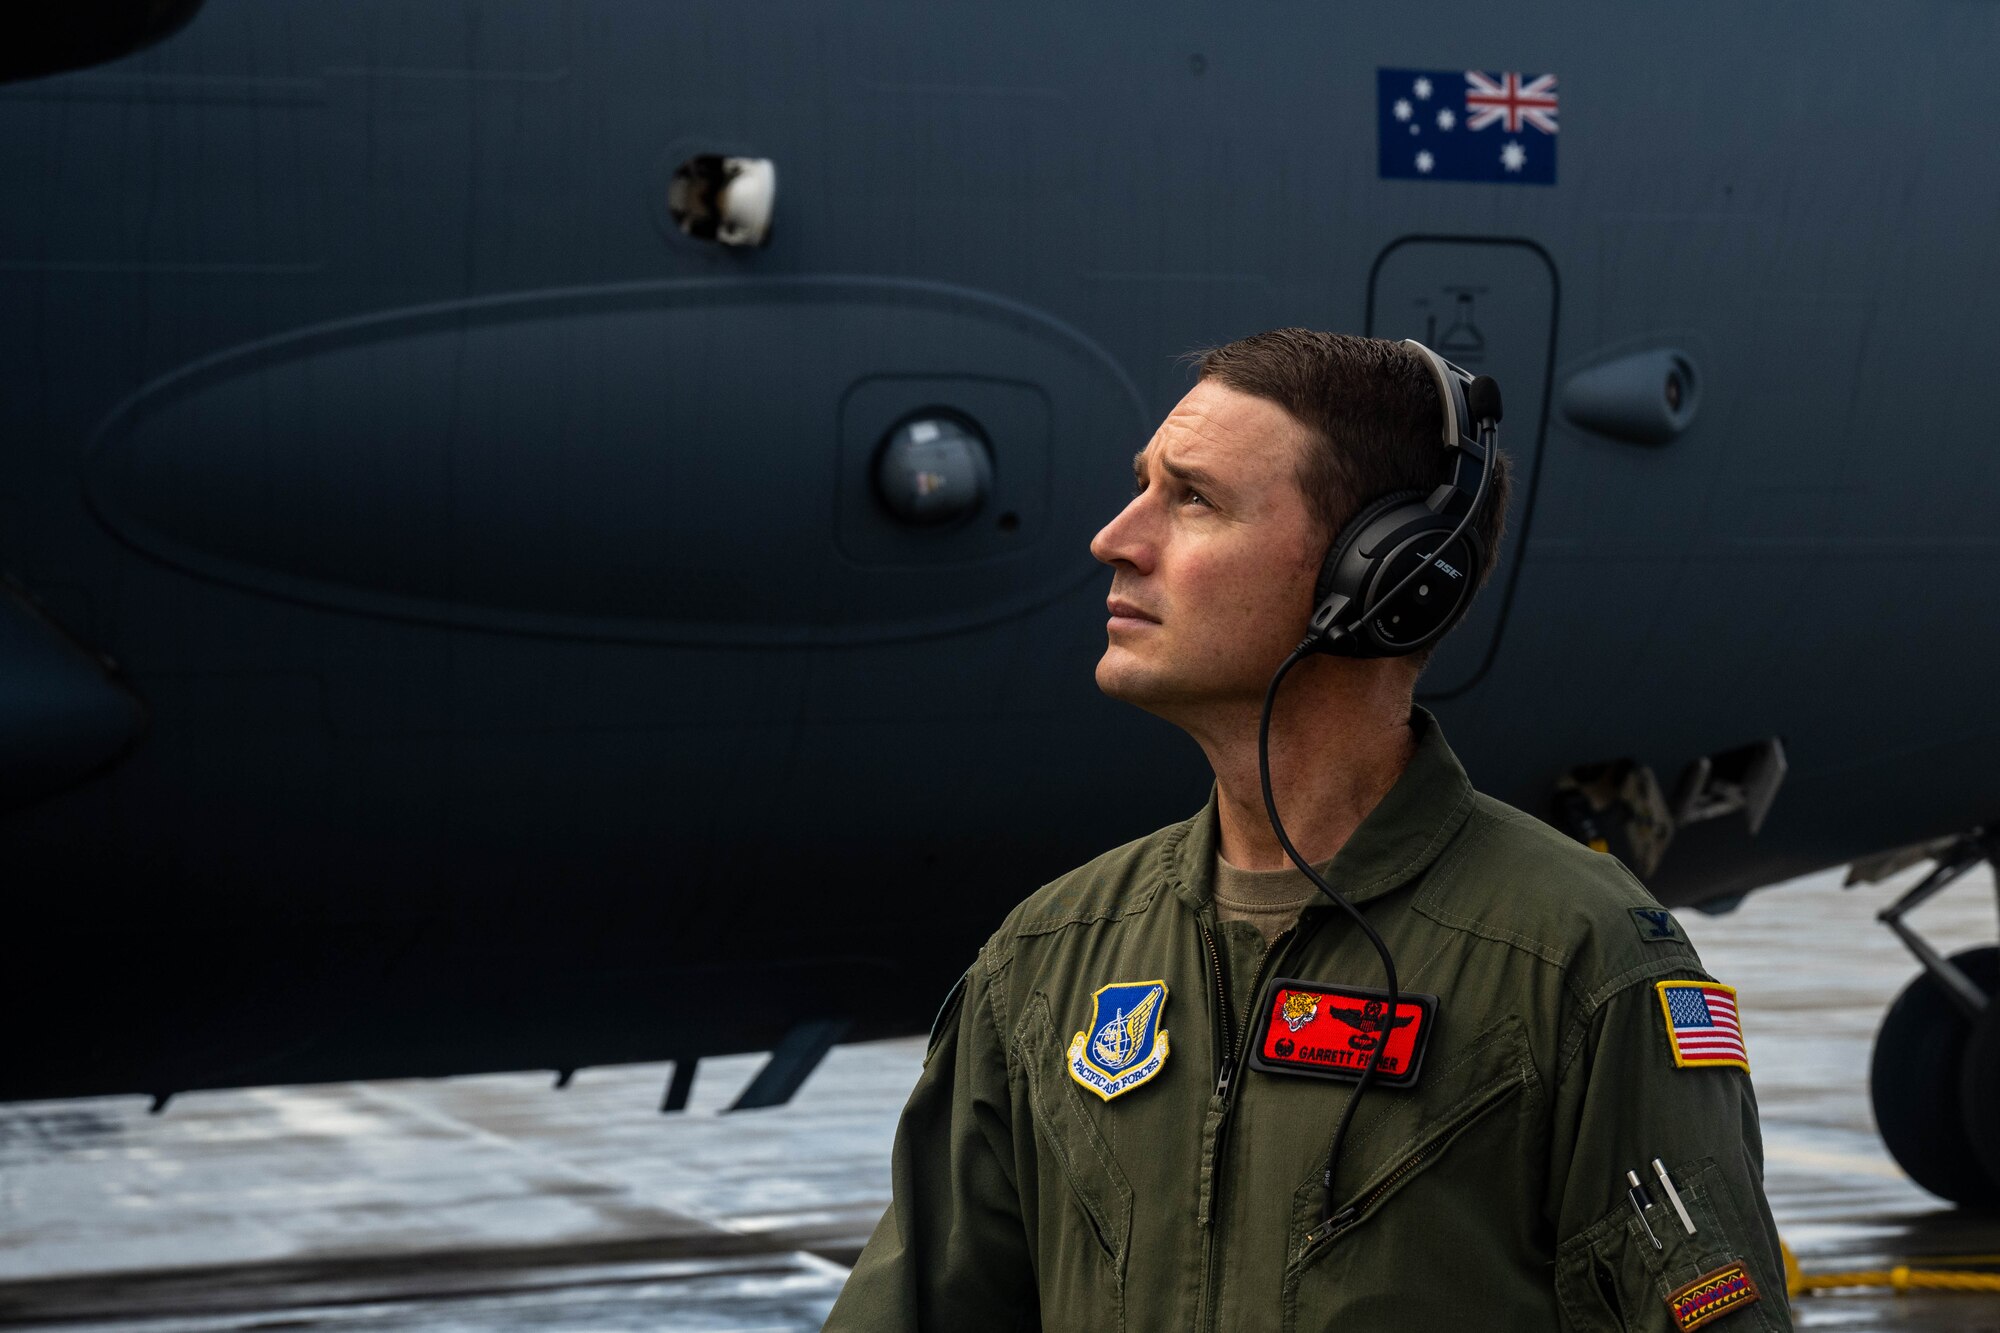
{"x": 1351, "y": 532}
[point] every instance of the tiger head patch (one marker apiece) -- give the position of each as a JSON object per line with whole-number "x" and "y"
{"x": 1301, "y": 1007}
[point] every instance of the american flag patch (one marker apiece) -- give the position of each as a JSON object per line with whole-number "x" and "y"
{"x": 1702, "y": 1025}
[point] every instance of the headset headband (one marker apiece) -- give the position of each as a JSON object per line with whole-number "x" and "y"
{"x": 1471, "y": 401}
{"x": 1450, "y": 389}
{"x": 1471, "y": 417}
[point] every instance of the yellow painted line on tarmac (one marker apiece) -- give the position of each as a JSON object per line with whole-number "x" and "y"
{"x": 1853, "y": 1164}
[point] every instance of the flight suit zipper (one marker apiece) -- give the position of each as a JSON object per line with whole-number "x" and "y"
{"x": 1351, "y": 1214}
{"x": 1222, "y": 1100}
{"x": 1347, "y": 1217}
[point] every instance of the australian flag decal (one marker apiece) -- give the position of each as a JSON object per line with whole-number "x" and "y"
{"x": 1466, "y": 125}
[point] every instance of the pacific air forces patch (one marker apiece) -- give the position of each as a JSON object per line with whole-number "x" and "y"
{"x": 1124, "y": 1045}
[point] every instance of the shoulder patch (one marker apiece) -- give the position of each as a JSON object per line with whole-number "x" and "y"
{"x": 1124, "y": 1046}
{"x": 1711, "y": 1296}
{"x": 1657, "y": 926}
{"x": 1703, "y": 1027}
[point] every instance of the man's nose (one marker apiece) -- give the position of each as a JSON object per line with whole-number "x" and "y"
{"x": 1123, "y": 539}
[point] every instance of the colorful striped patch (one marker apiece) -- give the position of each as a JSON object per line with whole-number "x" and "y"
{"x": 1711, "y": 1296}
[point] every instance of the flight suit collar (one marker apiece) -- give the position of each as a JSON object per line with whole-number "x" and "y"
{"x": 1394, "y": 845}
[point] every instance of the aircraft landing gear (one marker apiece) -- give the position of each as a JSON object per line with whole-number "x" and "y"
{"x": 1981, "y": 1089}
{"x": 1935, "y": 1075}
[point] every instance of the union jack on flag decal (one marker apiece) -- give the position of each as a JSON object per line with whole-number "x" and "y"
{"x": 1702, "y": 1024}
{"x": 1504, "y": 97}
{"x": 1466, "y": 125}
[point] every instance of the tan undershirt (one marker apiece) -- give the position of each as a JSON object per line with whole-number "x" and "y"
{"x": 1268, "y": 899}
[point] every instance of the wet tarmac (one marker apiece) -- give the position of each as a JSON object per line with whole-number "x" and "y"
{"x": 497, "y": 1203}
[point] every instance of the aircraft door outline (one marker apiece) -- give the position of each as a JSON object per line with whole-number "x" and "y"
{"x": 1494, "y": 303}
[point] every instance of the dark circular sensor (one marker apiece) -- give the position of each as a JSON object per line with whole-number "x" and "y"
{"x": 934, "y": 469}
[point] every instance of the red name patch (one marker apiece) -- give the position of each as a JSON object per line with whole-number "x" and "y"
{"x": 1332, "y": 1032}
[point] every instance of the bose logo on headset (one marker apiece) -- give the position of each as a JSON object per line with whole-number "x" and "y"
{"x": 1364, "y": 602}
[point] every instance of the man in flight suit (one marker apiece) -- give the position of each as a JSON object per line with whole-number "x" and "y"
{"x": 1124, "y": 1116}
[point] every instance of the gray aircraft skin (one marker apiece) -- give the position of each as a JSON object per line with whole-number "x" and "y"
{"x": 452, "y": 624}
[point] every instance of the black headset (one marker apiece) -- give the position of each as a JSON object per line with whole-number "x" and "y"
{"x": 1399, "y": 540}
{"x": 1405, "y": 537}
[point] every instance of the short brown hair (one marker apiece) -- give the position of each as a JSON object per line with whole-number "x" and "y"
{"x": 1372, "y": 417}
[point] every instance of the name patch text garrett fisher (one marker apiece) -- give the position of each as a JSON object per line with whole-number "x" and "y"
{"x": 1309, "y": 1027}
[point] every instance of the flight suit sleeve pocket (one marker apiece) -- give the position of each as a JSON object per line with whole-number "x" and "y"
{"x": 1611, "y": 1276}
{"x": 1726, "y": 1238}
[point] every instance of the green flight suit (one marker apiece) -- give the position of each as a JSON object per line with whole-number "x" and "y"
{"x": 1491, "y": 1195}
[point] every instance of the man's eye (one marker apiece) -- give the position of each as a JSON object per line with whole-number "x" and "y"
{"x": 1196, "y": 497}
